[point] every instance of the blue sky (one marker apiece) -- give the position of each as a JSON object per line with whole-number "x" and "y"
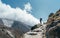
{"x": 40, "y": 8}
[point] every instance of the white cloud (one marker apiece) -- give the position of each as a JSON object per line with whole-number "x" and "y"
{"x": 28, "y": 7}
{"x": 6, "y": 11}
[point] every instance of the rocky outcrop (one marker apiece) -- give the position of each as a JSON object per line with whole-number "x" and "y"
{"x": 36, "y": 26}
{"x": 35, "y": 33}
{"x": 53, "y": 25}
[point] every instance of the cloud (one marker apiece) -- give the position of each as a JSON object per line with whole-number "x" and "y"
{"x": 28, "y": 7}
{"x": 6, "y": 11}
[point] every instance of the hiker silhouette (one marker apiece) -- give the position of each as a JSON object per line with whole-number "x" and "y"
{"x": 40, "y": 20}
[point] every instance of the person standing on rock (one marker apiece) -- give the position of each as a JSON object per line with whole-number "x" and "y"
{"x": 41, "y": 20}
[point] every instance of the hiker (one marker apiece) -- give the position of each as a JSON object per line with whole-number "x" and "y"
{"x": 40, "y": 20}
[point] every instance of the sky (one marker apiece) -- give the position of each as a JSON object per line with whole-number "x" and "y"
{"x": 40, "y": 8}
